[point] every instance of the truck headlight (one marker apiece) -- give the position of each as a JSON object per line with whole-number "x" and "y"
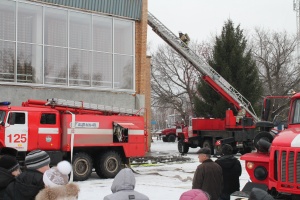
{"x": 260, "y": 173}
{"x": 250, "y": 165}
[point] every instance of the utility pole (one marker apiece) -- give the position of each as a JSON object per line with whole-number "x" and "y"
{"x": 296, "y": 6}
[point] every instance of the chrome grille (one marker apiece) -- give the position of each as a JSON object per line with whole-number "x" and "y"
{"x": 288, "y": 169}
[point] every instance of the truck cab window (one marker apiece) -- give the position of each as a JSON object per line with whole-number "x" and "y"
{"x": 296, "y": 117}
{"x": 16, "y": 118}
{"x": 2, "y": 115}
{"x": 48, "y": 118}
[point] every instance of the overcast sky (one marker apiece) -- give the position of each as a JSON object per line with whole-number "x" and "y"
{"x": 203, "y": 18}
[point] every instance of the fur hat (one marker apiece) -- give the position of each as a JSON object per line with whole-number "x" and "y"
{"x": 9, "y": 151}
{"x": 37, "y": 159}
{"x": 227, "y": 149}
{"x": 194, "y": 194}
{"x": 204, "y": 150}
{"x": 9, "y": 162}
{"x": 57, "y": 175}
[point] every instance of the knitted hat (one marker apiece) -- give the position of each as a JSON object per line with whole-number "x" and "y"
{"x": 37, "y": 159}
{"x": 194, "y": 194}
{"x": 227, "y": 149}
{"x": 9, "y": 151}
{"x": 9, "y": 162}
{"x": 57, "y": 175}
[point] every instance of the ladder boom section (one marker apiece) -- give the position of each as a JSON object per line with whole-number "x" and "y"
{"x": 80, "y": 105}
{"x": 211, "y": 76}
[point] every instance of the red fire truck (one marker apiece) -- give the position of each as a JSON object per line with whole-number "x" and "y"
{"x": 213, "y": 133}
{"x": 206, "y": 132}
{"x": 276, "y": 164}
{"x": 88, "y": 135}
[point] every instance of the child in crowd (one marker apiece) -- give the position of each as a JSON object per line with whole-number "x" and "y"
{"x": 57, "y": 184}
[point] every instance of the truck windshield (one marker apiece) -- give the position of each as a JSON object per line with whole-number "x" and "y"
{"x": 2, "y": 115}
{"x": 296, "y": 117}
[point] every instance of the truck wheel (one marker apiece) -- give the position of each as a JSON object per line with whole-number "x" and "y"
{"x": 182, "y": 147}
{"x": 165, "y": 139}
{"x": 208, "y": 144}
{"x": 171, "y": 138}
{"x": 267, "y": 136}
{"x": 82, "y": 166}
{"x": 108, "y": 164}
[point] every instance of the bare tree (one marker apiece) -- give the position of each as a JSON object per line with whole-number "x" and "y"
{"x": 276, "y": 59}
{"x": 174, "y": 80}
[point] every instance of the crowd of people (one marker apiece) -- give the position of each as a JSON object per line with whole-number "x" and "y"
{"x": 217, "y": 180}
{"x": 213, "y": 180}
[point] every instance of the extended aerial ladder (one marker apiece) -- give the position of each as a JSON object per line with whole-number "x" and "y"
{"x": 209, "y": 75}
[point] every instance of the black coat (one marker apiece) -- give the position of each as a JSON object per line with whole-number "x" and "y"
{"x": 208, "y": 177}
{"x": 232, "y": 171}
{"x": 26, "y": 187}
{"x": 5, "y": 179}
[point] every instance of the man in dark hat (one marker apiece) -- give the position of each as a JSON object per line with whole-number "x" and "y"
{"x": 208, "y": 175}
{"x": 232, "y": 171}
{"x": 8, "y": 151}
{"x": 9, "y": 169}
{"x": 30, "y": 182}
{"x": 259, "y": 194}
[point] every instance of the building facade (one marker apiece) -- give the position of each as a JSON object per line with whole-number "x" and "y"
{"x": 84, "y": 50}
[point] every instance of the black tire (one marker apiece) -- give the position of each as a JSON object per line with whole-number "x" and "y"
{"x": 264, "y": 135}
{"x": 82, "y": 166}
{"x": 208, "y": 144}
{"x": 182, "y": 147}
{"x": 171, "y": 138}
{"x": 108, "y": 164}
{"x": 165, "y": 139}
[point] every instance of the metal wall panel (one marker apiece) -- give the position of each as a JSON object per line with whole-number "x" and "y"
{"x": 125, "y": 8}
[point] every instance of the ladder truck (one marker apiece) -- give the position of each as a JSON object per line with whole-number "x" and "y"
{"x": 90, "y": 136}
{"x": 210, "y": 132}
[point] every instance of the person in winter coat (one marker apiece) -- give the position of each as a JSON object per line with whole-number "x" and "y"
{"x": 57, "y": 184}
{"x": 208, "y": 175}
{"x": 9, "y": 169}
{"x": 194, "y": 194}
{"x": 123, "y": 187}
{"x": 232, "y": 171}
{"x": 259, "y": 194}
{"x": 28, "y": 184}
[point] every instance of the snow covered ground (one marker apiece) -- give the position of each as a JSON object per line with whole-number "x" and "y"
{"x": 160, "y": 181}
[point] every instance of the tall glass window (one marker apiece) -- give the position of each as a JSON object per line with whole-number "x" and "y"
{"x": 29, "y": 45}
{"x": 102, "y": 56}
{"x": 7, "y": 40}
{"x": 48, "y": 45}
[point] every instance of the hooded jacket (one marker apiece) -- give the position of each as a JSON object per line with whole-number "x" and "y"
{"x": 258, "y": 194}
{"x": 5, "y": 179}
{"x": 123, "y": 187}
{"x": 232, "y": 170}
{"x": 64, "y": 192}
{"x": 26, "y": 187}
{"x": 208, "y": 177}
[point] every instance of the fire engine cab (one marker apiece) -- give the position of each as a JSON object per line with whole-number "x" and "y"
{"x": 276, "y": 164}
{"x": 88, "y": 135}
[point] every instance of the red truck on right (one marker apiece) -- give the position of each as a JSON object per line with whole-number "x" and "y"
{"x": 276, "y": 163}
